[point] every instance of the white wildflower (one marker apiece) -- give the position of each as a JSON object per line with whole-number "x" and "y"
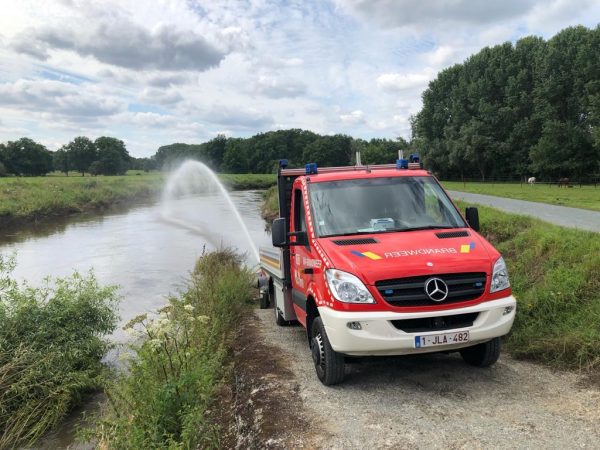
{"x": 188, "y": 308}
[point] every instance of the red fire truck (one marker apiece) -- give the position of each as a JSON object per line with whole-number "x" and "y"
{"x": 377, "y": 260}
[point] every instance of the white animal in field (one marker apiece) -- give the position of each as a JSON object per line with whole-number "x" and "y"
{"x": 531, "y": 180}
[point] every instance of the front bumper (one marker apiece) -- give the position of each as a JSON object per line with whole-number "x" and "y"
{"x": 379, "y": 337}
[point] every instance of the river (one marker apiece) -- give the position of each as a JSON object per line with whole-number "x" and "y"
{"x": 145, "y": 255}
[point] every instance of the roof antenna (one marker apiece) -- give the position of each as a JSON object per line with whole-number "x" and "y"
{"x": 358, "y": 162}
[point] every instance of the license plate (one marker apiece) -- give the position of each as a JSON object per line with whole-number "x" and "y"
{"x": 441, "y": 339}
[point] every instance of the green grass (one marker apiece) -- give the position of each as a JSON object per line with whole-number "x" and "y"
{"x": 165, "y": 398}
{"x": 586, "y": 197}
{"x": 242, "y": 181}
{"x": 32, "y": 198}
{"x": 554, "y": 273}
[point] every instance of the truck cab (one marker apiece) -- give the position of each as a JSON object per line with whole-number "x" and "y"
{"x": 377, "y": 260}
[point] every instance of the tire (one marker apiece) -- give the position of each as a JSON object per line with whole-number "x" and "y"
{"x": 264, "y": 300}
{"x": 329, "y": 364}
{"x": 482, "y": 355}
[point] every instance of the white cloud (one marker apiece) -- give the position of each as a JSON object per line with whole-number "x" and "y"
{"x": 353, "y": 117}
{"x": 276, "y": 87}
{"x": 391, "y": 82}
{"x": 402, "y": 13}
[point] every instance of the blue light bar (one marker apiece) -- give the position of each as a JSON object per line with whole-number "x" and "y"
{"x": 401, "y": 164}
{"x": 414, "y": 158}
{"x": 283, "y": 163}
{"x": 311, "y": 169}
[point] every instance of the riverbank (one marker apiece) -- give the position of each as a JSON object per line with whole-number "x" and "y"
{"x": 27, "y": 200}
{"x": 174, "y": 391}
{"x": 554, "y": 275}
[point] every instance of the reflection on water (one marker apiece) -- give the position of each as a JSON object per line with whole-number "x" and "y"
{"x": 146, "y": 256}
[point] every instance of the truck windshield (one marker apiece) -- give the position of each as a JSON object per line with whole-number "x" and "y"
{"x": 381, "y": 205}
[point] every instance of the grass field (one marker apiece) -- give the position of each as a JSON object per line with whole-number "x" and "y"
{"x": 586, "y": 197}
{"x": 33, "y": 198}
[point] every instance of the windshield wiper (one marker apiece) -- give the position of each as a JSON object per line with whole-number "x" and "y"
{"x": 354, "y": 233}
{"x": 426, "y": 227}
{"x": 392, "y": 230}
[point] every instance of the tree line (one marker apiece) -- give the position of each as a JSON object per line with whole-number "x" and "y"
{"x": 261, "y": 153}
{"x": 104, "y": 156}
{"x": 532, "y": 108}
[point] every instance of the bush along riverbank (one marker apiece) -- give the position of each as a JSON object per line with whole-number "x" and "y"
{"x": 51, "y": 346}
{"x": 554, "y": 272}
{"x": 31, "y": 199}
{"x": 167, "y": 398}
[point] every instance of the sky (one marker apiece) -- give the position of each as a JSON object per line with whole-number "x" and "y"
{"x": 156, "y": 72}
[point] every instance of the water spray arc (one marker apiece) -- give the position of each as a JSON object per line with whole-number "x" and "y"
{"x": 189, "y": 179}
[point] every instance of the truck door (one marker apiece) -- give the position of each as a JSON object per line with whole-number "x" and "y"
{"x": 300, "y": 258}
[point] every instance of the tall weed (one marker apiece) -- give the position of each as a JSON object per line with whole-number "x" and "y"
{"x": 51, "y": 346}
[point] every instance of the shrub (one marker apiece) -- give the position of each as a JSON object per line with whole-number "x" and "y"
{"x": 51, "y": 347}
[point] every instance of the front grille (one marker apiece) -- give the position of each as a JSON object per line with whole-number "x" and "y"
{"x": 411, "y": 291}
{"x": 356, "y": 241}
{"x": 452, "y": 234}
{"x": 435, "y": 323}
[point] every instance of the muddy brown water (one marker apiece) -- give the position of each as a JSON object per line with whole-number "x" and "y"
{"x": 147, "y": 256}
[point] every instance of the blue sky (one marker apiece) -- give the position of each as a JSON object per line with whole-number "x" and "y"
{"x": 153, "y": 73}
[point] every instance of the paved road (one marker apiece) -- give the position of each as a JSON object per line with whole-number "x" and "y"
{"x": 438, "y": 402}
{"x": 559, "y": 215}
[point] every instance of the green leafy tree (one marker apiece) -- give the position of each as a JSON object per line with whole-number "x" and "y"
{"x": 61, "y": 161}
{"x": 81, "y": 152}
{"x": 113, "y": 157}
{"x": 26, "y": 157}
{"x": 329, "y": 151}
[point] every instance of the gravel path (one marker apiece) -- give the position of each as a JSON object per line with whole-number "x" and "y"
{"x": 436, "y": 401}
{"x": 559, "y": 215}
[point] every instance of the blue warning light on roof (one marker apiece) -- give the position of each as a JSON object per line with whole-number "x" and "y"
{"x": 311, "y": 169}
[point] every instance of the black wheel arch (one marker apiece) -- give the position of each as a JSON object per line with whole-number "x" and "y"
{"x": 312, "y": 312}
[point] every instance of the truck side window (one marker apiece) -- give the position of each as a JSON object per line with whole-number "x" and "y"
{"x": 299, "y": 215}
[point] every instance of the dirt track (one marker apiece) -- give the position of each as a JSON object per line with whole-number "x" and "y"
{"x": 434, "y": 401}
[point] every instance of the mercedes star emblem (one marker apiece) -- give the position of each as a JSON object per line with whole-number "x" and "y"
{"x": 436, "y": 289}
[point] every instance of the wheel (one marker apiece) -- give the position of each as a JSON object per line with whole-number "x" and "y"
{"x": 264, "y": 300}
{"x": 482, "y": 355}
{"x": 329, "y": 364}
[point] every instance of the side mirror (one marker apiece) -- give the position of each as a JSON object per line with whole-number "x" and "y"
{"x": 279, "y": 232}
{"x": 472, "y": 215}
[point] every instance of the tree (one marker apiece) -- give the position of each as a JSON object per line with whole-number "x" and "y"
{"x": 81, "y": 152}
{"x": 329, "y": 151}
{"x": 26, "y": 157}
{"x": 215, "y": 151}
{"x": 62, "y": 161}
{"x": 112, "y": 156}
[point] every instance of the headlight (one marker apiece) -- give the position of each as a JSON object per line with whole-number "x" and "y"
{"x": 346, "y": 288}
{"x": 499, "y": 276}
